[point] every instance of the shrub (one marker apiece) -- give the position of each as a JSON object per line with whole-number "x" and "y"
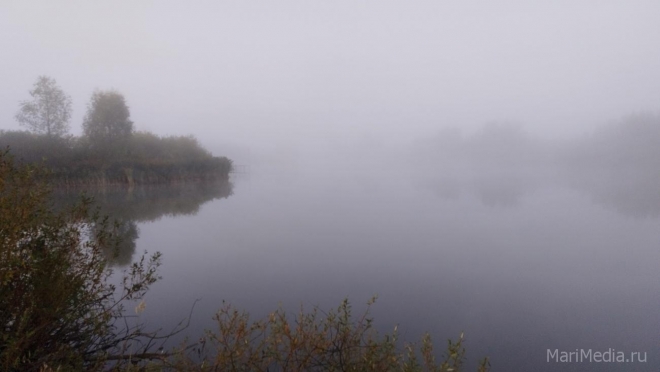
{"x": 311, "y": 341}
{"x": 57, "y": 307}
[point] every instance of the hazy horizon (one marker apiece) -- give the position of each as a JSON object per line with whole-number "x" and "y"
{"x": 481, "y": 165}
{"x": 295, "y": 74}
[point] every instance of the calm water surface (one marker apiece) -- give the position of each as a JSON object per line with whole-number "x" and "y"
{"x": 518, "y": 267}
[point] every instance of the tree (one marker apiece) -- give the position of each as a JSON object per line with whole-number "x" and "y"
{"x": 107, "y": 124}
{"x": 49, "y": 110}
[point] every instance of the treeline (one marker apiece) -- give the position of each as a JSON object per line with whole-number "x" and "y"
{"x": 145, "y": 159}
{"x": 110, "y": 151}
{"x": 616, "y": 165}
{"x": 631, "y": 142}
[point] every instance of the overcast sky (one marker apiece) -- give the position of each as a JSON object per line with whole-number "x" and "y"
{"x": 260, "y": 71}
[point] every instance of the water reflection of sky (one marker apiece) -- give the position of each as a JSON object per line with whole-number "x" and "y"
{"x": 524, "y": 246}
{"x": 555, "y": 269}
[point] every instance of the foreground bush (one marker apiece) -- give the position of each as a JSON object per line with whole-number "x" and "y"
{"x": 57, "y": 307}
{"x": 310, "y": 341}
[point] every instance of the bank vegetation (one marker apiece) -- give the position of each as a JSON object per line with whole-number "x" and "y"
{"x": 109, "y": 151}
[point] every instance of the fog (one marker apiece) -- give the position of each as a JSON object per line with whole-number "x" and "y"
{"x": 615, "y": 166}
{"x": 278, "y": 80}
{"x": 477, "y": 99}
{"x": 487, "y": 166}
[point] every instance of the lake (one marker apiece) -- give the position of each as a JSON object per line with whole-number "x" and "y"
{"x": 520, "y": 263}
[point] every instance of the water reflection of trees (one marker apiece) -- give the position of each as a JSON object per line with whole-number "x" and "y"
{"x": 617, "y": 166}
{"x": 498, "y": 165}
{"x": 126, "y": 207}
{"x": 120, "y": 251}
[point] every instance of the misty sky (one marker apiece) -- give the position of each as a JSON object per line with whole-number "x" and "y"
{"x": 260, "y": 71}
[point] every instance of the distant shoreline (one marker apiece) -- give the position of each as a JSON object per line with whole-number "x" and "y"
{"x": 141, "y": 159}
{"x": 128, "y": 174}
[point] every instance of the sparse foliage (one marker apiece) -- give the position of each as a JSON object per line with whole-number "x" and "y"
{"x": 311, "y": 341}
{"x": 49, "y": 111}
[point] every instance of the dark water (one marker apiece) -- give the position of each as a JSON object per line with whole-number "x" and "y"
{"x": 520, "y": 263}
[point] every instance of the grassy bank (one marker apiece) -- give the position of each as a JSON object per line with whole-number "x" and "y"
{"x": 143, "y": 159}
